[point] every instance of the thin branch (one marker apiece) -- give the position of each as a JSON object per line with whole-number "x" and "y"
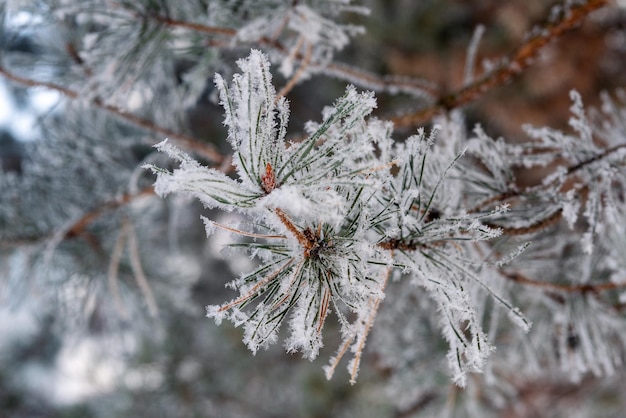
{"x": 196, "y": 27}
{"x": 140, "y": 276}
{"x": 114, "y": 264}
{"x": 375, "y": 301}
{"x": 566, "y": 288}
{"x": 330, "y": 370}
{"x": 301, "y": 69}
{"x": 302, "y": 239}
{"x": 246, "y": 234}
{"x": 394, "y": 84}
{"x": 606, "y": 153}
{"x": 190, "y": 143}
{"x": 571, "y": 170}
{"x": 540, "y": 225}
{"x": 79, "y": 226}
{"x": 323, "y": 308}
{"x": 517, "y": 62}
{"x": 241, "y": 299}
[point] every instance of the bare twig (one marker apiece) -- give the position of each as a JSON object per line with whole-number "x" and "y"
{"x": 302, "y": 239}
{"x": 114, "y": 264}
{"x": 394, "y": 84}
{"x": 375, "y": 303}
{"x": 260, "y": 284}
{"x": 517, "y": 62}
{"x": 330, "y": 370}
{"x": 246, "y": 234}
{"x": 140, "y": 275}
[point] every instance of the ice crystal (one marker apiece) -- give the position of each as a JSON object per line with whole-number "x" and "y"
{"x": 332, "y": 216}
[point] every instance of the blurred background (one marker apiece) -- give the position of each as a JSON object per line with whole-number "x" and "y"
{"x": 81, "y": 335}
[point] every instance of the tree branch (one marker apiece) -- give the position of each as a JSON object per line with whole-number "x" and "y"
{"x": 79, "y": 226}
{"x": 570, "y": 171}
{"x": 606, "y": 153}
{"x": 518, "y": 61}
{"x": 566, "y": 288}
{"x": 196, "y": 27}
{"x": 299, "y": 72}
{"x": 187, "y": 142}
{"x": 408, "y": 85}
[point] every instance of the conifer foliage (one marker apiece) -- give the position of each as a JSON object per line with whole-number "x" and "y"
{"x": 331, "y": 221}
{"x": 405, "y": 236}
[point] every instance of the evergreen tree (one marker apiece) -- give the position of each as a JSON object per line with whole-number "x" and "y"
{"x": 351, "y": 213}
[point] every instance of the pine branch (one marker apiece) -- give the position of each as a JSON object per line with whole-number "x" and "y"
{"x": 196, "y": 27}
{"x": 518, "y": 61}
{"x": 187, "y": 142}
{"x": 408, "y": 85}
{"x": 77, "y": 229}
{"x": 537, "y": 226}
{"x": 573, "y": 169}
{"x": 330, "y": 218}
{"x": 570, "y": 171}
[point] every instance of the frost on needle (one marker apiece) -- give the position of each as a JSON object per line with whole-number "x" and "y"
{"x": 332, "y": 217}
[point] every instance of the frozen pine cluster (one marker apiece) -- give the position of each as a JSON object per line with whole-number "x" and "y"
{"x": 413, "y": 231}
{"x": 333, "y": 218}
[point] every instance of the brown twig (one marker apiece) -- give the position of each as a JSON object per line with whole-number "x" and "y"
{"x": 529, "y": 229}
{"x": 374, "y": 303}
{"x": 408, "y": 85}
{"x": 395, "y": 84}
{"x": 583, "y": 164}
{"x": 302, "y": 239}
{"x": 79, "y": 226}
{"x": 204, "y": 149}
{"x": 566, "y": 288}
{"x": 243, "y": 298}
{"x": 196, "y": 27}
{"x": 301, "y": 69}
{"x": 570, "y": 171}
{"x": 517, "y": 62}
